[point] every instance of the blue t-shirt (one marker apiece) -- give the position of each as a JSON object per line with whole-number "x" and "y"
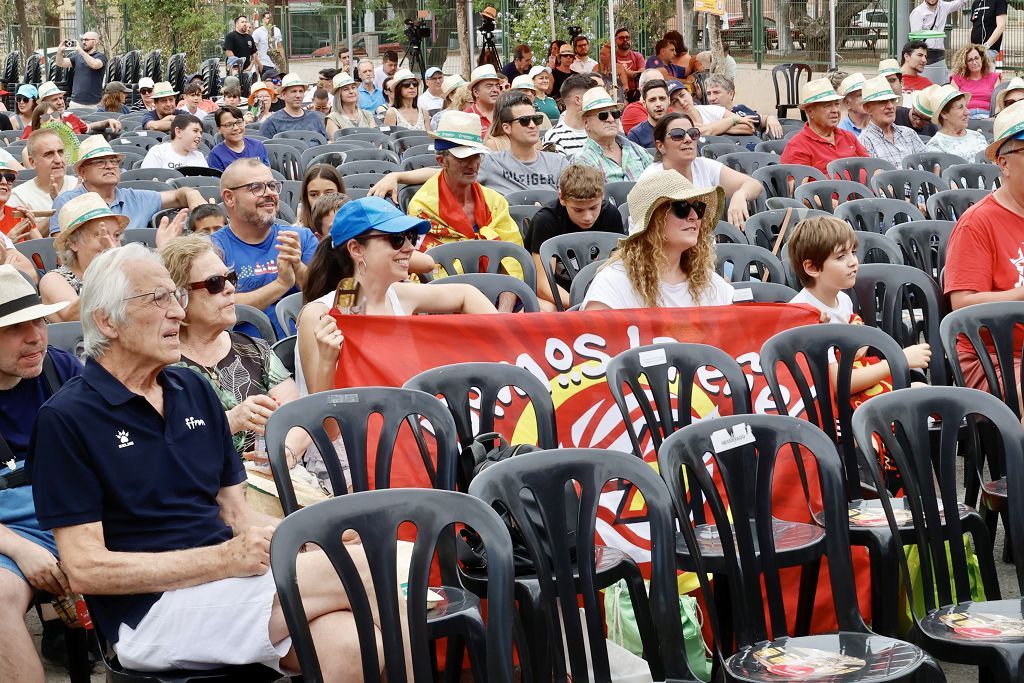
{"x": 138, "y": 205}
{"x": 221, "y": 156}
{"x": 673, "y": 70}
{"x": 748, "y": 112}
{"x": 88, "y": 84}
{"x": 100, "y": 453}
{"x": 280, "y": 121}
{"x": 370, "y": 101}
{"x": 256, "y": 264}
{"x": 153, "y": 116}
{"x": 847, "y": 124}
{"x": 642, "y": 134}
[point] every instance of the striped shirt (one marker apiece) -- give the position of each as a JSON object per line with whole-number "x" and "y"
{"x": 904, "y": 141}
{"x": 568, "y": 140}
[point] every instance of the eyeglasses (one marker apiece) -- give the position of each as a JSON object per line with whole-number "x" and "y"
{"x": 614, "y": 113}
{"x": 681, "y": 209}
{"x": 145, "y": 91}
{"x": 260, "y": 189}
{"x": 524, "y": 121}
{"x": 162, "y": 297}
{"x": 397, "y": 239}
{"x": 8, "y": 176}
{"x": 215, "y": 284}
{"x": 237, "y": 123}
{"x": 105, "y": 162}
{"x": 678, "y": 134}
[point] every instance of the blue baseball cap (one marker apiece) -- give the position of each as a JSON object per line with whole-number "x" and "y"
{"x": 372, "y": 213}
{"x": 28, "y": 90}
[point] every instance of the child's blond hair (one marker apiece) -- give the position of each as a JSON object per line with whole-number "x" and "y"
{"x": 814, "y": 240}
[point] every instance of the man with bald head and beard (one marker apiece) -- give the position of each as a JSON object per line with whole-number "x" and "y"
{"x": 269, "y": 256}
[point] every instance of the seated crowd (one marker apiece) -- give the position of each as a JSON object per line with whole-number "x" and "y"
{"x": 176, "y": 566}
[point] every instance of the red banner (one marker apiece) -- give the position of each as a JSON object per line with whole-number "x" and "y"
{"x": 569, "y": 352}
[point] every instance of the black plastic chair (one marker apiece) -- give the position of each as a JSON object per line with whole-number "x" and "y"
{"x": 781, "y": 180}
{"x": 315, "y": 155}
{"x": 142, "y": 142}
{"x": 287, "y": 311}
{"x": 973, "y": 177}
{"x": 67, "y": 336}
{"x": 404, "y": 144}
{"x": 573, "y": 252}
{"x": 285, "y": 351}
{"x": 151, "y": 185}
{"x": 951, "y": 204}
{"x": 523, "y": 216}
{"x": 146, "y": 236}
{"x": 753, "y": 552}
{"x": 900, "y": 422}
{"x": 713, "y": 150}
{"x": 763, "y": 228}
{"x": 772, "y": 146}
{"x": 372, "y": 154}
{"x": 375, "y": 166}
{"x": 727, "y": 233}
{"x": 40, "y": 252}
{"x": 256, "y": 318}
{"x": 875, "y": 248}
{"x": 310, "y": 137}
{"x": 493, "y": 285}
{"x": 827, "y": 194}
{"x": 377, "y": 140}
{"x": 377, "y": 516}
{"x": 930, "y": 161}
{"x": 468, "y": 254}
{"x": 552, "y": 516}
{"x": 362, "y": 181}
{"x": 923, "y": 244}
{"x": 581, "y": 283}
{"x": 417, "y": 150}
{"x": 285, "y": 158}
{"x": 527, "y": 197}
{"x": 762, "y": 292}
{"x": 405, "y": 195}
{"x": 748, "y": 162}
{"x": 909, "y": 185}
{"x": 788, "y": 97}
{"x": 194, "y": 181}
{"x": 418, "y": 161}
{"x": 857, "y": 169}
{"x": 749, "y": 262}
{"x": 877, "y": 214}
{"x": 169, "y": 214}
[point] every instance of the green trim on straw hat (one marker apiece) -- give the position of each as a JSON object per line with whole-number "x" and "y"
{"x": 456, "y": 135}
{"x": 99, "y": 212}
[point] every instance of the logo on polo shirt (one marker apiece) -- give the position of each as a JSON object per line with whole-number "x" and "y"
{"x": 192, "y": 422}
{"x": 124, "y": 441}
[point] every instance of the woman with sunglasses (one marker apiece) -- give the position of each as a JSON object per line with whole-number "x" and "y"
{"x": 405, "y": 111}
{"x": 25, "y": 103}
{"x": 668, "y": 260}
{"x": 606, "y": 147}
{"x": 675, "y": 138}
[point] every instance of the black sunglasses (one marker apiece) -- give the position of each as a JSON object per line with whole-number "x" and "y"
{"x": 22, "y": 98}
{"x": 681, "y": 209}
{"x": 678, "y": 134}
{"x": 397, "y": 239}
{"x": 614, "y": 113}
{"x": 524, "y": 121}
{"x": 9, "y": 176}
{"x": 215, "y": 283}
{"x": 145, "y": 91}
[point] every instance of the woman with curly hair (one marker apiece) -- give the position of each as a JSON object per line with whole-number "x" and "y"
{"x": 974, "y": 75}
{"x": 668, "y": 260}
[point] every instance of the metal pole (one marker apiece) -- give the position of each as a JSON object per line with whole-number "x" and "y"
{"x": 471, "y": 30}
{"x": 902, "y": 26}
{"x": 348, "y": 20}
{"x": 611, "y": 41}
{"x": 79, "y": 18}
{"x": 832, "y": 34}
{"x": 551, "y": 18}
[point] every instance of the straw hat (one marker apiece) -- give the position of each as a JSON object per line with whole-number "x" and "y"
{"x": 95, "y": 147}
{"x": 817, "y": 91}
{"x": 461, "y": 129}
{"x": 921, "y": 100}
{"x": 597, "y": 98}
{"x": 49, "y": 89}
{"x": 655, "y": 189}
{"x": 258, "y": 86}
{"x": 404, "y": 75}
{"x": 889, "y": 67}
{"x": 163, "y": 89}
{"x": 851, "y": 83}
{"x": 877, "y": 89}
{"x": 19, "y": 301}
{"x": 341, "y": 79}
{"x": 1009, "y": 124}
{"x": 291, "y": 81}
{"x": 523, "y": 82}
{"x": 942, "y": 96}
{"x": 483, "y": 73}
{"x": 1015, "y": 84}
{"x": 79, "y": 211}
{"x": 450, "y": 83}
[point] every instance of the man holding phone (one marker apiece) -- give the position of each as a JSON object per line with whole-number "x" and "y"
{"x": 90, "y": 64}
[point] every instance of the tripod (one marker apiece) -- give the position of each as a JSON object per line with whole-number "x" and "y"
{"x": 414, "y": 55}
{"x": 488, "y": 44}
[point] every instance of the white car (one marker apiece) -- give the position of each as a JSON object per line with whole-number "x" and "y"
{"x": 870, "y": 18}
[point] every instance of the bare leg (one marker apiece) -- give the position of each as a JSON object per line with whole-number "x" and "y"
{"x": 18, "y": 658}
{"x": 337, "y": 648}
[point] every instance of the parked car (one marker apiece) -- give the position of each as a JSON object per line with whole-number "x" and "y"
{"x": 870, "y": 18}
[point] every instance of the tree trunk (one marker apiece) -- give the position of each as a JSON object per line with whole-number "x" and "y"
{"x": 462, "y": 30}
{"x": 782, "y": 24}
{"x": 689, "y": 26}
{"x": 745, "y": 11}
{"x": 714, "y": 24}
{"x": 27, "y": 44}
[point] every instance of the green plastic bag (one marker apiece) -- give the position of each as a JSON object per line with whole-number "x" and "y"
{"x": 914, "y": 565}
{"x": 622, "y": 629}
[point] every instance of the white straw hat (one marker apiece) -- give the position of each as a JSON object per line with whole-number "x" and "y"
{"x": 877, "y": 89}
{"x": 19, "y": 301}
{"x": 817, "y": 91}
{"x": 463, "y": 130}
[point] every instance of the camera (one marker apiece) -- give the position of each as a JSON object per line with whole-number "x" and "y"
{"x": 415, "y": 31}
{"x": 487, "y": 25}
{"x": 70, "y": 43}
{"x": 574, "y": 31}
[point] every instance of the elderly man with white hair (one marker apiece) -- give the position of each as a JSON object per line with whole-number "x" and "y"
{"x": 90, "y": 65}
{"x": 146, "y": 498}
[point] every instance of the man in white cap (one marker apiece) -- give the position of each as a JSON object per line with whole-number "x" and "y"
{"x": 485, "y": 87}
{"x": 165, "y": 108}
{"x": 882, "y": 138}
{"x": 821, "y": 140}
{"x": 45, "y": 152}
{"x": 431, "y": 100}
{"x": 30, "y": 373}
{"x": 99, "y": 170}
{"x": 856, "y": 119}
{"x": 89, "y": 64}
{"x": 145, "y": 101}
{"x": 294, "y": 116}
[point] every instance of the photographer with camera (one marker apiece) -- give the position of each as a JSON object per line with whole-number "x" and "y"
{"x": 89, "y": 64}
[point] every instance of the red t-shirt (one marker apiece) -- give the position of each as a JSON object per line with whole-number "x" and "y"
{"x": 634, "y": 114}
{"x": 915, "y": 82}
{"x": 78, "y": 125}
{"x": 810, "y": 149}
{"x": 634, "y": 61}
{"x": 7, "y": 219}
{"x": 485, "y": 123}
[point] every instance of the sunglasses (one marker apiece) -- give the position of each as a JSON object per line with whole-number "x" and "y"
{"x": 8, "y": 176}
{"x": 397, "y": 240}
{"x": 22, "y": 98}
{"x": 614, "y": 113}
{"x": 681, "y": 209}
{"x": 570, "y": 54}
{"x": 678, "y": 134}
{"x": 145, "y": 91}
{"x": 215, "y": 284}
{"x": 524, "y": 121}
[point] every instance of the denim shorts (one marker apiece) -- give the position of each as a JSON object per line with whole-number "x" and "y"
{"x": 18, "y": 513}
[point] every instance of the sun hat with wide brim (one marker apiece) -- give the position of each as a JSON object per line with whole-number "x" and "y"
{"x": 458, "y": 132}
{"x": 922, "y": 100}
{"x": 292, "y": 81}
{"x": 523, "y": 82}
{"x": 163, "y": 89}
{"x": 889, "y": 67}
{"x": 1015, "y": 84}
{"x": 95, "y": 147}
{"x": 49, "y": 89}
{"x": 404, "y": 75}
{"x": 19, "y": 301}
{"x": 79, "y": 211}
{"x": 341, "y": 80}
{"x": 257, "y": 87}
{"x": 877, "y": 89}
{"x": 817, "y": 91}
{"x": 653, "y": 190}
{"x": 596, "y": 99}
{"x": 451, "y": 83}
{"x": 851, "y": 83}
{"x": 7, "y": 165}
{"x": 1009, "y": 124}
{"x": 483, "y": 73}
{"x": 372, "y": 213}
{"x": 943, "y": 96}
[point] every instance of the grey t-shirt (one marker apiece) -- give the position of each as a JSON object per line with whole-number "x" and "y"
{"x": 281, "y": 121}
{"x": 88, "y": 85}
{"x": 503, "y": 173}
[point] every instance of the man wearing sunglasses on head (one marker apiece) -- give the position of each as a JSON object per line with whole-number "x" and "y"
{"x": 606, "y": 148}
{"x": 269, "y": 256}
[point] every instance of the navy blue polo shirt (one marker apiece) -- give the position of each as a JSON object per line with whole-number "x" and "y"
{"x": 101, "y": 453}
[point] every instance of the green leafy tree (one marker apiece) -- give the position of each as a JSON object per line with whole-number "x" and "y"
{"x": 173, "y": 25}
